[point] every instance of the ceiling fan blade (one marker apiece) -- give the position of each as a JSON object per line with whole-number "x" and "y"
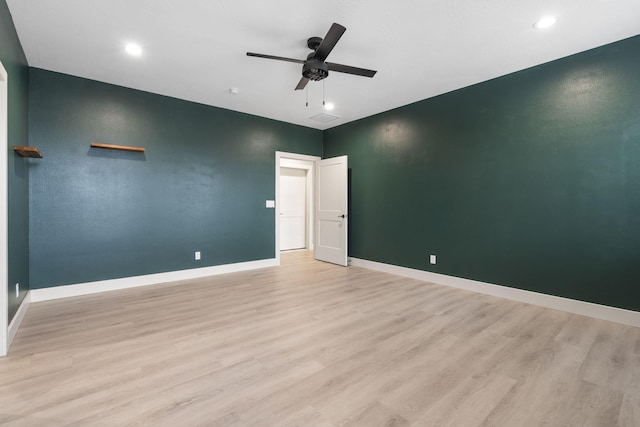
{"x": 302, "y": 83}
{"x": 351, "y": 70}
{"x": 329, "y": 42}
{"x": 279, "y": 58}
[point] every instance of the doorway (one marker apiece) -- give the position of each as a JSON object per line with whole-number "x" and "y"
{"x": 293, "y": 209}
{"x": 294, "y": 214}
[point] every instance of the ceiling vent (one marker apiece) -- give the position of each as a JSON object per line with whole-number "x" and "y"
{"x": 324, "y": 118}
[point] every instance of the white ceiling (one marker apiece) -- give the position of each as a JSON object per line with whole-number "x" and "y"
{"x": 196, "y": 49}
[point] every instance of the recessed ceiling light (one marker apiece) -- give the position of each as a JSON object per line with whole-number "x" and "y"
{"x": 329, "y": 106}
{"x": 544, "y": 22}
{"x": 234, "y": 90}
{"x": 133, "y": 49}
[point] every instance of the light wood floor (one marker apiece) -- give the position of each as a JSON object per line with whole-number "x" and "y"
{"x": 312, "y": 344}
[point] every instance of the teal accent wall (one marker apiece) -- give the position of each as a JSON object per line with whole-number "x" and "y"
{"x": 201, "y": 184}
{"x": 531, "y": 180}
{"x": 15, "y": 63}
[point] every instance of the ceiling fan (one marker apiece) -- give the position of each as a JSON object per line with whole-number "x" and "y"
{"x": 314, "y": 67}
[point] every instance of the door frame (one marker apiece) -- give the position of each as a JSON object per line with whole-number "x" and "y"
{"x": 4, "y": 211}
{"x": 311, "y": 196}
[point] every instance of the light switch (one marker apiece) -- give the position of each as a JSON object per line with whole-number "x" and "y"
{"x": 432, "y": 259}
{"x": 271, "y": 203}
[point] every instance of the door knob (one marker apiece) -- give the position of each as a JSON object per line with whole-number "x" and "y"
{"x": 342, "y": 216}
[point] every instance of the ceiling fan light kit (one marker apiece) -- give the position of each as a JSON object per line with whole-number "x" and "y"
{"x": 315, "y": 70}
{"x": 314, "y": 67}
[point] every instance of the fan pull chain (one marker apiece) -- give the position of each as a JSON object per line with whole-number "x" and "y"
{"x": 323, "y": 93}
{"x": 306, "y": 91}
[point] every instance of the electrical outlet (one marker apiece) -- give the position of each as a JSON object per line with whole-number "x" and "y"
{"x": 17, "y": 290}
{"x": 432, "y": 259}
{"x": 197, "y": 255}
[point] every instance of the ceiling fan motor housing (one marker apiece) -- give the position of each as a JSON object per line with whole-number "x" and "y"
{"x": 315, "y": 70}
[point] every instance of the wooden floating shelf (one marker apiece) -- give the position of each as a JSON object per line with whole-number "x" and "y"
{"x": 32, "y": 152}
{"x": 117, "y": 147}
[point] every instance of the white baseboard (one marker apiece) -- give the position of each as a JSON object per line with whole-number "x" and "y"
{"x": 17, "y": 319}
{"x": 604, "y": 312}
{"x": 65, "y": 291}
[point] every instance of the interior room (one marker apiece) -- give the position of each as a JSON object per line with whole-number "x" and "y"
{"x": 168, "y": 260}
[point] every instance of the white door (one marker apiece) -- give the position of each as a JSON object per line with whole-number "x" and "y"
{"x": 331, "y": 210}
{"x": 293, "y": 209}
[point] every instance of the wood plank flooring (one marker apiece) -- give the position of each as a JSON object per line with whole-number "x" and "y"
{"x": 312, "y": 344}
